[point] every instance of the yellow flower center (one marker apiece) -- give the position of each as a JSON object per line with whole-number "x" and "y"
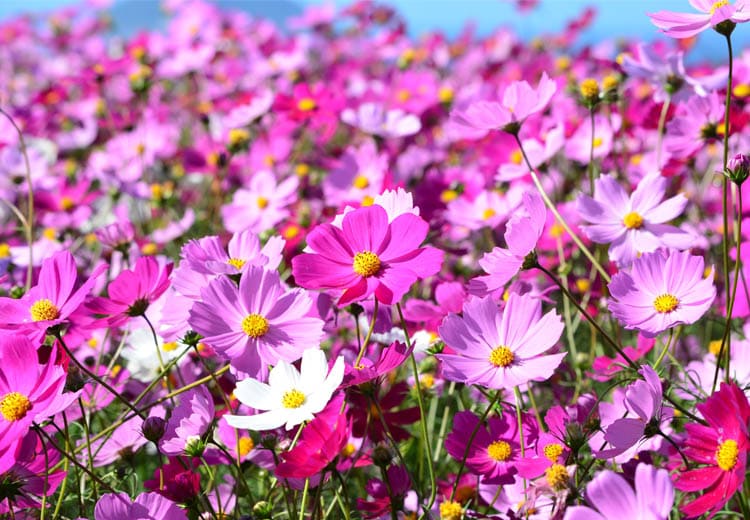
{"x": 44, "y": 310}
{"x": 557, "y": 476}
{"x": 516, "y": 157}
{"x": 403, "y": 95}
{"x": 499, "y": 451}
{"x": 245, "y": 444}
{"x": 238, "y": 136}
{"x": 556, "y": 231}
{"x": 236, "y": 262}
{"x": 488, "y": 214}
{"x": 589, "y": 88}
{"x": 553, "y": 451}
{"x": 293, "y": 399}
{"x": 169, "y": 346}
{"x": 632, "y": 220}
{"x": 718, "y": 5}
{"x": 262, "y": 202}
{"x": 501, "y": 356}
{"x": 360, "y": 182}
{"x": 366, "y": 263}
{"x": 4, "y": 251}
{"x": 254, "y": 325}
{"x": 665, "y": 303}
{"x": 66, "y": 203}
{"x": 367, "y": 201}
{"x": 348, "y": 450}
{"x": 448, "y": 195}
{"x": 445, "y": 94}
{"x": 597, "y": 142}
{"x": 726, "y": 455}
{"x": 742, "y": 90}
{"x": 14, "y": 406}
{"x": 714, "y": 347}
{"x": 450, "y": 510}
{"x": 306, "y": 104}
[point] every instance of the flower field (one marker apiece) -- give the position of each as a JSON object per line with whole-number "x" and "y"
{"x": 333, "y": 270}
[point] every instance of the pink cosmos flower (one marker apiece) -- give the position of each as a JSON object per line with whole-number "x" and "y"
{"x": 147, "y": 506}
{"x": 374, "y": 119}
{"x": 29, "y": 392}
{"x": 548, "y": 450}
{"x": 131, "y": 293}
{"x": 262, "y": 205}
{"x": 367, "y": 256}
{"x": 496, "y": 447}
{"x": 521, "y": 235}
{"x": 634, "y": 224}
{"x": 389, "y": 359}
{"x": 612, "y": 496}
{"x": 358, "y": 176}
{"x": 694, "y": 125}
{"x": 712, "y": 13}
{"x": 188, "y": 422}
{"x": 501, "y": 349}
{"x": 661, "y": 290}
{"x": 257, "y": 324}
{"x": 722, "y": 446}
{"x": 519, "y": 101}
{"x": 51, "y": 301}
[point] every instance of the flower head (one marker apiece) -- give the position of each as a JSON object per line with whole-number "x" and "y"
{"x": 661, "y": 290}
{"x": 712, "y": 14}
{"x": 291, "y": 396}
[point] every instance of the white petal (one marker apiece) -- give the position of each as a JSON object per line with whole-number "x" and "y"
{"x": 314, "y": 370}
{"x": 255, "y": 394}
{"x": 283, "y": 376}
{"x": 260, "y": 422}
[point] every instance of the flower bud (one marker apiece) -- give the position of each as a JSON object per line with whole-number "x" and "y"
{"x": 194, "y": 446}
{"x": 589, "y": 89}
{"x": 381, "y": 456}
{"x": 738, "y": 168}
{"x": 153, "y": 428}
{"x": 262, "y": 510}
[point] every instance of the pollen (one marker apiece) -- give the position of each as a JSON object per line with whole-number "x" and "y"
{"x": 14, "y": 407}
{"x": 589, "y": 88}
{"x": 306, "y": 104}
{"x": 556, "y": 231}
{"x": 516, "y": 157}
{"x": 366, "y": 263}
{"x": 348, "y": 450}
{"x": 66, "y": 203}
{"x": 238, "y": 136}
{"x": 367, "y": 201}
{"x": 597, "y": 142}
{"x": 44, "y": 310}
{"x": 450, "y": 510}
{"x": 553, "y": 451}
{"x": 403, "y": 95}
{"x": 633, "y": 220}
{"x": 236, "y": 262}
{"x": 726, "y": 455}
{"x": 665, "y": 303}
{"x": 169, "y": 346}
{"x": 488, "y": 214}
{"x": 557, "y": 476}
{"x": 448, "y": 195}
{"x": 262, "y": 202}
{"x": 445, "y": 94}
{"x": 501, "y": 356}
{"x": 361, "y": 182}
{"x": 293, "y": 399}
{"x": 714, "y": 347}
{"x": 244, "y": 446}
{"x": 718, "y": 5}
{"x": 254, "y": 325}
{"x": 742, "y": 90}
{"x": 4, "y": 251}
{"x": 499, "y": 451}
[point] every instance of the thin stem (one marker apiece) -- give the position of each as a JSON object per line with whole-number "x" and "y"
{"x": 369, "y": 334}
{"x": 660, "y": 129}
{"x": 590, "y": 168}
{"x": 551, "y": 206}
{"x": 519, "y": 418}
{"x": 665, "y": 349}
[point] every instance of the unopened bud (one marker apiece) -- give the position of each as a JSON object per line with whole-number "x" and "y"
{"x": 153, "y": 428}
{"x": 738, "y": 168}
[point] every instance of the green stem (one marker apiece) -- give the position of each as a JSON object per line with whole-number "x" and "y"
{"x": 590, "y": 168}
{"x": 660, "y": 129}
{"x": 369, "y": 334}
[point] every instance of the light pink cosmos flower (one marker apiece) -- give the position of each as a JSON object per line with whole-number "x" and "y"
{"x": 519, "y": 101}
{"x": 633, "y": 224}
{"x": 189, "y": 421}
{"x": 661, "y": 290}
{"x": 374, "y": 119}
{"x": 262, "y": 205}
{"x": 501, "y": 349}
{"x": 521, "y": 235}
{"x": 51, "y": 301}
{"x": 367, "y": 256}
{"x": 685, "y": 25}
{"x": 357, "y": 177}
{"x": 116, "y": 506}
{"x": 257, "y": 324}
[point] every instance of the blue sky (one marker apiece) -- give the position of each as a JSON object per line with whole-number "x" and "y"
{"x": 616, "y": 18}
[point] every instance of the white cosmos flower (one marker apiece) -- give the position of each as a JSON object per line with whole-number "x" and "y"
{"x": 291, "y": 396}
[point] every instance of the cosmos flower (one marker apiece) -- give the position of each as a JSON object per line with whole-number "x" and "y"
{"x": 51, "y": 301}
{"x": 146, "y": 506}
{"x": 367, "y": 256}
{"x": 262, "y": 205}
{"x": 188, "y": 422}
{"x": 721, "y": 447}
{"x": 633, "y": 224}
{"x": 501, "y": 349}
{"x": 258, "y": 323}
{"x": 519, "y": 101}
{"x": 521, "y": 235}
{"x": 291, "y": 396}
{"x": 661, "y": 290}
{"x": 375, "y": 119}
{"x": 712, "y": 13}
{"x": 612, "y": 497}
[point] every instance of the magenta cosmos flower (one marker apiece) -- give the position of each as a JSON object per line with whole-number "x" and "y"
{"x": 612, "y": 497}
{"x": 368, "y": 255}
{"x": 661, "y": 290}
{"x": 722, "y": 446}
{"x": 633, "y": 224}
{"x": 29, "y": 392}
{"x": 520, "y": 100}
{"x": 258, "y": 323}
{"x": 501, "y": 349}
{"x": 521, "y": 235}
{"x": 712, "y": 13}
{"x": 51, "y": 301}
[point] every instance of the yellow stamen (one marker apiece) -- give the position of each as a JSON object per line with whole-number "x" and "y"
{"x": 238, "y": 263}
{"x": 718, "y": 5}
{"x": 665, "y": 303}
{"x": 306, "y": 104}
{"x": 450, "y": 510}
{"x": 254, "y": 325}
{"x": 169, "y": 346}
{"x": 726, "y": 455}
{"x": 262, "y": 202}
{"x": 488, "y": 214}
{"x": 553, "y": 451}
{"x": 44, "y": 310}
{"x": 361, "y": 182}
{"x": 293, "y": 399}
{"x": 14, "y": 406}
{"x": 366, "y": 263}
{"x": 714, "y": 347}
{"x": 633, "y": 220}
{"x": 501, "y": 356}
{"x": 499, "y": 451}
{"x": 557, "y": 476}
{"x": 246, "y": 444}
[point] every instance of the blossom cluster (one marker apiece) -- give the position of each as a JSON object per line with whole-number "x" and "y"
{"x": 331, "y": 270}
